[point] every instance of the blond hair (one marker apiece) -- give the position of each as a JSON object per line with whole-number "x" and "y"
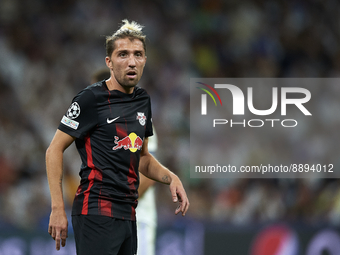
{"x": 131, "y": 30}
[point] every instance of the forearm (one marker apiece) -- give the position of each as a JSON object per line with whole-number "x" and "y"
{"x": 54, "y": 169}
{"x": 58, "y": 223}
{"x": 153, "y": 169}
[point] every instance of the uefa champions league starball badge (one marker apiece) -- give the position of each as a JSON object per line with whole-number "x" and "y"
{"x": 74, "y": 111}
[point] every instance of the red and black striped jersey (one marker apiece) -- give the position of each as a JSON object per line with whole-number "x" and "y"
{"x": 110, "y": 127}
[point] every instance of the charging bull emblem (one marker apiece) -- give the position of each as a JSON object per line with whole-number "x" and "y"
{"x": 131, "y": 142}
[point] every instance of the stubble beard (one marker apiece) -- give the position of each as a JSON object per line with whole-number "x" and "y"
{"x": 128, "y": 84}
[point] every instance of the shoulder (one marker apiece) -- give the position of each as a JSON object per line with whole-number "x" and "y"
{"x": 96, "y": 88}
{"x": 140, "y": 92}
{"x": 92, "y": 91}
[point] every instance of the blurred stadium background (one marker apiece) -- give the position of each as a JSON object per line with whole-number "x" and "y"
{"x": 49, "y": 49}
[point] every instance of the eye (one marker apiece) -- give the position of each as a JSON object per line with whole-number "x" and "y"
{"x": 122, "y": 54}
{"x": 139, "y": 54}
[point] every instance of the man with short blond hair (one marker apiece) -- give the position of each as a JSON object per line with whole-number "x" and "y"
{"x": 110, "y": 122}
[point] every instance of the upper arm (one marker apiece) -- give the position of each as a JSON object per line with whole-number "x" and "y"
{"x": 144, "y": 150}
{"x": 81, "y": 116}
{"x": 144, "y": 157}
{"x": 61, "y": 141}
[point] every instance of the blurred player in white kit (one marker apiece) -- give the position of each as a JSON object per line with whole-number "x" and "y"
{"x": 146, "y": 211}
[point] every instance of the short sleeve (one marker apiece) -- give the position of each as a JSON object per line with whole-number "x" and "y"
{"x": 149, "y": 130}
{"x": 81, "y": 116}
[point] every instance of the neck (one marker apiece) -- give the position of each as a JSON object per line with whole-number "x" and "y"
{"x": 112, "y": 84}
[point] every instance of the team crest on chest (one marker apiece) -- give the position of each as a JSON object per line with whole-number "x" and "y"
{"x": 141, "y": 117}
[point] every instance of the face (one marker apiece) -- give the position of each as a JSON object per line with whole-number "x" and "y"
{"x": 127, "y": 62}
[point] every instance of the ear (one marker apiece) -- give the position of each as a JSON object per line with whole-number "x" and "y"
{"x": 108, "y": 62}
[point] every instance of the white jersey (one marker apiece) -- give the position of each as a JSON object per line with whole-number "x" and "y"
{"x": 146, "y": 213}
{"x": 146, "y": 209}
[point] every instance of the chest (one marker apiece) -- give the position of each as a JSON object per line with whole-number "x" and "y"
{"x": 117, "y": 117}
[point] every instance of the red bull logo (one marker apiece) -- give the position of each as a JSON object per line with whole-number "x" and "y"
{"x": 131, "y": 142}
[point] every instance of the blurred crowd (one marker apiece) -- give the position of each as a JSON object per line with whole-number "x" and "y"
{"x": 49, "y": 49}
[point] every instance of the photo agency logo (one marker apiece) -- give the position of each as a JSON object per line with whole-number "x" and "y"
{"x": 281, "y": 98}
{"x": 204, "y": 97}
{"x": 263, "y": 127}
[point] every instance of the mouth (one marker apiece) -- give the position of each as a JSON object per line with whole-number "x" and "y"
{"x": 131, "y": 74}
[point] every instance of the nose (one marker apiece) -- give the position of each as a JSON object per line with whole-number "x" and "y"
{"x": 132, "y": 61}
